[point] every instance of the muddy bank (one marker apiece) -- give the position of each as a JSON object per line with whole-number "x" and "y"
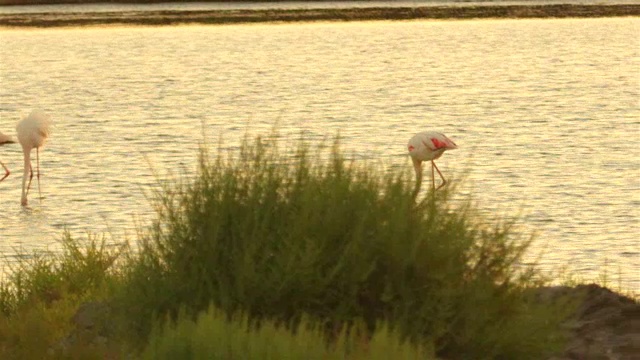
{"x": 606, "y": 325}
{"x": 156, "y": 18}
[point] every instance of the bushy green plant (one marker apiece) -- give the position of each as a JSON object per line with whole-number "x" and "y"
{"x": 41, "y": 292}
{"x": 77, "y": 269}
{"x": 281, "y": 235}
{"x": 214, "y": 335}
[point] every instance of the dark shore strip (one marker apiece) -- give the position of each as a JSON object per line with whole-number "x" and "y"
{"x": 155, "y": 18}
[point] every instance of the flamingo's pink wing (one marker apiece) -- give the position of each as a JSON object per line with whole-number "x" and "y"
{"x": 442, "y": 142}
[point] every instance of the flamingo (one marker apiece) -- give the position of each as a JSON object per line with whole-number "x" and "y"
{"x": 5, "y": 139}
{"x": 428, "y": 146}
{"x": 33, "y": 131}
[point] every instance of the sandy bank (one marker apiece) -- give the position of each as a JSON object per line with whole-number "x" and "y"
{"x": 282, "y": 15}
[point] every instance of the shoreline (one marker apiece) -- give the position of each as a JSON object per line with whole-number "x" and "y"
{"x": 202, "y": 17}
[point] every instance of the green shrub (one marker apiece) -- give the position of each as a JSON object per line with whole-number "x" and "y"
{"x": 41, "y": 292}
{"x": 280, "y": 236}
{"x": 216, "y": 336}
{"x": 79, "y": 268}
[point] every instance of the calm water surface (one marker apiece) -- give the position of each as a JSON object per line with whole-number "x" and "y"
{"x": 545, "y": 112}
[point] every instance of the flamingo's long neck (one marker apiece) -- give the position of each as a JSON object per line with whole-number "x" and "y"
{"x": 25, "y": 174}
{"x": 417, "y": 165}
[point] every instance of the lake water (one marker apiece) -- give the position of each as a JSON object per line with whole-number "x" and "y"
{"x": 545, "y": 112}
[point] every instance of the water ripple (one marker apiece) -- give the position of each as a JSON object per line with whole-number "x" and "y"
{"x": 545, "y": 113}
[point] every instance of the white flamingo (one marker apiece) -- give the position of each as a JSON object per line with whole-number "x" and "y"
{"x": 5, "y": 139}
{"x": 428, "y": 146}
{"x": 33, "y": 131}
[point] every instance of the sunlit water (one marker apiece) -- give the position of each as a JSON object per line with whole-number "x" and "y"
{"x": 545, "y": 113}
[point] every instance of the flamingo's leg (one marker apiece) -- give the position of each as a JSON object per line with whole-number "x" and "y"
{"x": 30, "y": 177}
{"x": 444, "y": 181}
{"x": 6, "y": 171}
{"x": 433, "y": 178}
{"x": 38, "y": 171}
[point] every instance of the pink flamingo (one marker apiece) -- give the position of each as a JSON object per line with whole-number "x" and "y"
{"x": 5, "y": 139}
{"x": 428, "y": 146}
{"x": 33, "y": 131}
